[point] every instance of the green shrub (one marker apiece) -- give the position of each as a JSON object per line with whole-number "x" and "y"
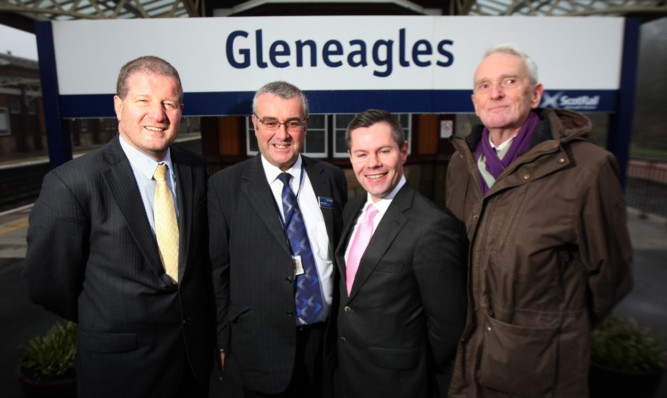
{"x": 624, "y": 345}
{"x": 54, "y": 354}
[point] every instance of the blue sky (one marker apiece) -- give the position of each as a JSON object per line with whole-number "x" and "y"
{"x": 20, "y": 43}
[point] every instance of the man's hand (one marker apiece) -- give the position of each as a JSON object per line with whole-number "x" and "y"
{"x": 221, "y": 364}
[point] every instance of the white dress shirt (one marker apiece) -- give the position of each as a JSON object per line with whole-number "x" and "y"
{"x": 312, "y": 217}
{"x": 143, "y": 168}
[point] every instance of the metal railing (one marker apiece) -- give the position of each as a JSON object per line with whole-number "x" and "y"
{"x": 647, "y": 186}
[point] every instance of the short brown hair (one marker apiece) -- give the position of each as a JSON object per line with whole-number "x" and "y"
{"x": 370, "y": 117}
{"x": 147, "y": 64}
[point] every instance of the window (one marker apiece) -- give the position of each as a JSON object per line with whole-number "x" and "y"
{"x": 4, "y": 121}
{"x": 251, "y": 140}
{"x": 83, "y": 125}
{"x": 406, "y": 122}
{"x": 32, "y": 107}
{"x": 111, "y": 124}
{"x": 315, "y": 144}
{"x": 340, "y": 125}
{"x": 14, "y": 105}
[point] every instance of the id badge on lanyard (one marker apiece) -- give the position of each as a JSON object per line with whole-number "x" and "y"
{"x": 296, "y": 259}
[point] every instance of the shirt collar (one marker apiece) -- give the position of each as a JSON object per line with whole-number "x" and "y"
{"x": 504, "y": 145}
{"x": 384, "y": 203}
{"x": 143, "y": 163}
{"x": 272, "y": 172}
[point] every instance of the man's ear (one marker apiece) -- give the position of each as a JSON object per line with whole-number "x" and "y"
{"x": 118, "y": 106}
{"x": 404, "y": 152}
{"x": 536, "y": 99}
{"x": 474, "y": 104}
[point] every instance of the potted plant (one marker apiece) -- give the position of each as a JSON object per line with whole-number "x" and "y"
{"x": 627, "y": 360}
{"x": 48, "y": 366}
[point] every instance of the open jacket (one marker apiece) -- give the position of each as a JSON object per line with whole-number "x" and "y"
{"x": 93, "y": 258}
{"x": 549, "y": 254}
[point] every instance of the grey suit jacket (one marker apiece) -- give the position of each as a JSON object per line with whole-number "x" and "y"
{"x": 93, "y": 258}
{"x": 253, "y": 274}
{"x": 403, "y": 318}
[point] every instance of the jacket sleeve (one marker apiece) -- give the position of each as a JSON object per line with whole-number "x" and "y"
{"x": 219, "y": 257}
{"x": 57, "y": 248}
{"x": 440, "y": 269}
{"x": 604, "y": 241}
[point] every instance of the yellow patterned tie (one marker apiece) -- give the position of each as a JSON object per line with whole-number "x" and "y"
{"x": 166, "y": 227}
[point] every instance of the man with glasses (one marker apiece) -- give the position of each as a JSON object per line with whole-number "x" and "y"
{"x": 275, "y": 221}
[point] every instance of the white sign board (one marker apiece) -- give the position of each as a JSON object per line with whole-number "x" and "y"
{"x": 346, "y": 63}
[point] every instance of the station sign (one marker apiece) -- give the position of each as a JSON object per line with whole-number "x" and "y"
{"x": 345, "y": 64}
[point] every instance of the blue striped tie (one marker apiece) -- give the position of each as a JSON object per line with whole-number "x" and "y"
{"x": 308, "y": 295}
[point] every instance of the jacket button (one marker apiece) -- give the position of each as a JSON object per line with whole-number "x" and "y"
{"x": 561, "y": 160}
{"x": 288, "y": 279}
{"x": 289, "y": 313}
{"x": 348, "y": 309}
{"x": 343, "y": 340}
{"x": 489, "y": 328}
{"x": 526, "y": 176}
{"x": 475, "y": 217}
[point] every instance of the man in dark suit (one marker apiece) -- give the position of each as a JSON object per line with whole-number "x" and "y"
{"x": 403, "y": 304}
{"x": 145, "y": 309}
{"x": 270, "y": 342}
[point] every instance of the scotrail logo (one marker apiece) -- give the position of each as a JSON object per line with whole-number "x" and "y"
{"x": 559, "y": 100}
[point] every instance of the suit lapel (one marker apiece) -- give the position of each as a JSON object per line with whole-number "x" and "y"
{"x": 391, "y": 224}
{"x": 352, "y": 211}
{"x": 322, "y": 188}
{"x": 258, "y": 193}
{"x": 121, "y": 183}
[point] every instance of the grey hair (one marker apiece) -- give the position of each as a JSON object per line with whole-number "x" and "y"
{"x": 283, "y": 90}
{"x": 511, "y": 48}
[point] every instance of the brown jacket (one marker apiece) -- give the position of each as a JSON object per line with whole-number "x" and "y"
{"x": 549, "y": 254}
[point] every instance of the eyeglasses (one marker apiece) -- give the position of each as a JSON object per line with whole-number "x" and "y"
{"x": 293, "y": 125}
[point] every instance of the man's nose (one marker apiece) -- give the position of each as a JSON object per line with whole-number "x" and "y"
{"x": 157, "y": 112}
{"x": 497, "y": 91}
{"x": 374, "y": 160}
{"x": 282, "y": 132}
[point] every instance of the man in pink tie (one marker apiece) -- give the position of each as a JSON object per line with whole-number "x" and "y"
{"x": 402, "y": 260}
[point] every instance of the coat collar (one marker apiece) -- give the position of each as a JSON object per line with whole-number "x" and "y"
{"x": 258, "y": 193}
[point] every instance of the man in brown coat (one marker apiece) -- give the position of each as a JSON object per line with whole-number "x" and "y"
{"x": 546, "y": 221}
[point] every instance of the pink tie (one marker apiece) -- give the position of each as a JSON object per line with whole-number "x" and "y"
{"x": 359, "y": 244}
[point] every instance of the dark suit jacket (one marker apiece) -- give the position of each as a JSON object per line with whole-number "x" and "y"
{"x": 93, "y": 258}
{"x": 253, "y": 272}
{"x": 407, "y": 307}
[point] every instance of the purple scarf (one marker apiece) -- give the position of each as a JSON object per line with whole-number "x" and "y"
{"x": 520, "y": 144}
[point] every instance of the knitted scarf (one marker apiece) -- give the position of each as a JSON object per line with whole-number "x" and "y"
{"x": 520, "y": 145}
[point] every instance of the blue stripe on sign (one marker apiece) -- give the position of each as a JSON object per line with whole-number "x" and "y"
{"x": 349, "y": 101}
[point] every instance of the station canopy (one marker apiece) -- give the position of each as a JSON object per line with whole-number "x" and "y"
{"x": 21, "y": 14}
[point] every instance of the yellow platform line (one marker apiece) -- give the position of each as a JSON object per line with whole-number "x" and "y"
{"x": 14, "y": 225}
